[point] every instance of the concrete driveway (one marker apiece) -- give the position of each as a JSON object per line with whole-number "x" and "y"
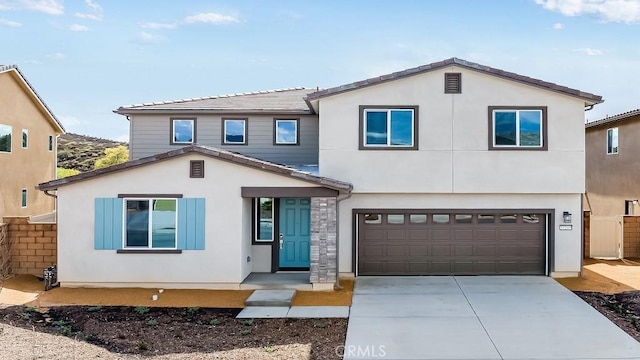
{"x": 478, "y": 317}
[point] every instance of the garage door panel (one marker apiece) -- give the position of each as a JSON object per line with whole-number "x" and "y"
{"x": 492, "y": 243}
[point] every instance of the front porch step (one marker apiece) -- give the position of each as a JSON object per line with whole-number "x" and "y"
{"x": 270, "y": 298}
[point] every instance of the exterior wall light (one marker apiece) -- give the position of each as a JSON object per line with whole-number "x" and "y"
{"x": 566, "y": 217}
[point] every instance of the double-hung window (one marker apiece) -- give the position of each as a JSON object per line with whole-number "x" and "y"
{"x": 5, "y": 138}
{"x": 234, "y": 131}
{"x": 612, "y": 141}
{"x": 183, "y": 131}
{"x": 150, "y": 223}
{"x": 388, "y": 127}
{"x": 517, "y": 128}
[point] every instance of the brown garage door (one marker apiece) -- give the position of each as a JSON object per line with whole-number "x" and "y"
{"x": 445, "y": 243}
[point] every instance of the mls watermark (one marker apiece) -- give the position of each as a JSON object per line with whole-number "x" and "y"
{"x": 359, "y": 351}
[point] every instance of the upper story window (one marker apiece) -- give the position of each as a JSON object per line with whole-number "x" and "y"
{"x": 286, "y": 131}
{"x": 183, "y": 131}
{"x": 23, "y": 198}
{"x": 517, "y": 128}
{"x": 612, "y": 141}
{"x": 150, "y": 223}
{"x": 389, "y": 127}
{"x": 234, "y": 131}
{"x": 5, "y": 138}
{"x": 25, "y": 138}
{"x": 50, "y": 142}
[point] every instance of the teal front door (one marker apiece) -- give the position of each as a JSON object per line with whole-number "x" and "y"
{"x": 295, "y": 232}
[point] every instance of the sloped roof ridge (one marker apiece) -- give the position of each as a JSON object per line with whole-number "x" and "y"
{"x": 613, "y": 118}
{"x": 223, "y": 96}
{"x": 455, "y": 61}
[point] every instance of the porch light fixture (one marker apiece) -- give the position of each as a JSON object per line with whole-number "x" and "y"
{"x": 566, "y": 217}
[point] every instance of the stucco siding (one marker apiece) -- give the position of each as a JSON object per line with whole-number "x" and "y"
{"x": 227, "y": 233}
{"x": 453, "y": 155}
{"x": 24, "y": 168}
{"x": 150, "y": 135}
{"x": 567, "y": 244}
{"x": 613, "y": 178}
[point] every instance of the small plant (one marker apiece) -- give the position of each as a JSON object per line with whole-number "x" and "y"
{"x": 60, "y": 323}
{"x": 94, "y": 308}
{"x": 30, "y": 309}
{"x": 141, "y": 310}
{"x": 26, "y": 315}
{"x": 152, "y": 322}
{"x": 247, "y": 322}
{"x": 67, "y": 331}
{"x": 80, "y": 336}
{"x": 214, "y": 322}
{"x": 142, "y": 345}
{"x": 245, "y": 332}
{"x": 192, "y": 311}
{"x": 269, "y": 349}
{"x": 319, "y": 324}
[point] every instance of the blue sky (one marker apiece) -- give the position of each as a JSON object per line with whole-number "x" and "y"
{"x": 88, "y": 57}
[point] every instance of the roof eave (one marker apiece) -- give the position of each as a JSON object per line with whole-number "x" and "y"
{"x": 139, "y": 111}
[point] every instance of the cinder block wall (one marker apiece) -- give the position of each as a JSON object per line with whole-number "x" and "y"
{"x": 631, "y": 236}
{"x": 33, "y": 247}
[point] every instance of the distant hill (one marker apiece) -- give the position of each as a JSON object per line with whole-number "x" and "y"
{"x": 80, "y": 152}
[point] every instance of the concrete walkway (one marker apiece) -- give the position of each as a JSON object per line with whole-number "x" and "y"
{"x": 478, "y": 317}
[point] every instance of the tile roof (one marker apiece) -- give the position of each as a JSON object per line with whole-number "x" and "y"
{"x": 590, "y": 98}
{"x": 210, "y": 152}
{"x": 6, "y": 68}
{"x": 614, "y": 118}
{"x": 290, "y": 100}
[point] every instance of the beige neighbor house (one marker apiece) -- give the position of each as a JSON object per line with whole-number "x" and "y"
{"x": 28, "y": 132}
{"x": 613, "y": 185}
{"x": 448, "y": 168}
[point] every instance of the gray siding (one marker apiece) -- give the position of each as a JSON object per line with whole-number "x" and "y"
{"x": 150, "y": 135}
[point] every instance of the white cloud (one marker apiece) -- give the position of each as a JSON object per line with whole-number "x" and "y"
{"x": 627, "y": 11}
{"x": 76, "y": 27}
{"x": 4, "y": 6}
{"x": 57, "y": 56}
{"x": 154, "y": 25}
{"x": 10, "y": 23}
{"x": 558, "y": 26}
{"x": 95, "y": 14}
{"x": 211, "y": 18}
{"x": 589, "y": 51}
{"x": 148, "y": 38}
{"x": 51, "y": 7}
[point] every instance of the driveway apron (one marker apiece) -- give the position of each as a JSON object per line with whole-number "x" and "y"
{"x": 478, "y": 317}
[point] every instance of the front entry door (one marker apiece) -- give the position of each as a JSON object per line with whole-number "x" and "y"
{"x": 295, "y": 230}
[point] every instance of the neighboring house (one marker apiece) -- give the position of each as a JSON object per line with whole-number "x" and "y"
{"x": 448, "y": 168}
{"x": 613, "y": 185}
{"x": 28, "y": 132}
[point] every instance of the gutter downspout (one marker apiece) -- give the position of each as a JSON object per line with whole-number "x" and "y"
{"x": 337, "y": 285}
{"x": 55, "y": 197}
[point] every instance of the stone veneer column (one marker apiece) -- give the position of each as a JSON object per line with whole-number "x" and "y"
{"x": 323, "y": 268}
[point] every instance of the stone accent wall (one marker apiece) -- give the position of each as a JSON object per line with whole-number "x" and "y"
{"x": 586, "y": 223}
{"x": 33, "y": 247}
{"x": 323, "y": 267}
{"x": 631, "y": 236}
{"x": 5, "y": 256}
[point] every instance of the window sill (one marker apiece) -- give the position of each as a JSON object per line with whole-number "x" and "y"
{"x": 151, "y": 251}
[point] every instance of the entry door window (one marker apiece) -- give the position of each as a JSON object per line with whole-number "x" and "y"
{"x": 264, "y": 219}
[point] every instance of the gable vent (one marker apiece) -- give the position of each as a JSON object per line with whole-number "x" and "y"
{"x": 452, "y": 83}
{"x": 196, "y": 169}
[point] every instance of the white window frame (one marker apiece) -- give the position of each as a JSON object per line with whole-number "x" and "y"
{"x": 24, "y": 195}
{"x": 297, "y": 135}
{"x": 244, "y": 133}
{"x": 257, "y": 220}
{"x": 25, "y": 144}
{"x": 150, "y": 225}
{"x": 388, "y": 144}
{"x": 10, "y": 147}
{"x": 617, "y": 147}
{"x": 517, "y": 145}
{"x": 173, "y": 131}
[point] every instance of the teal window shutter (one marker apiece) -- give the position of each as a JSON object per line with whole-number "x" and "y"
{"x": 191, "y": 219}
{"x": 108, "y": 226}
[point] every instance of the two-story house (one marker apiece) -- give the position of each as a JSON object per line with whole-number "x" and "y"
{"x": 448, "y": 168}
{"x": 28, "y": 133}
